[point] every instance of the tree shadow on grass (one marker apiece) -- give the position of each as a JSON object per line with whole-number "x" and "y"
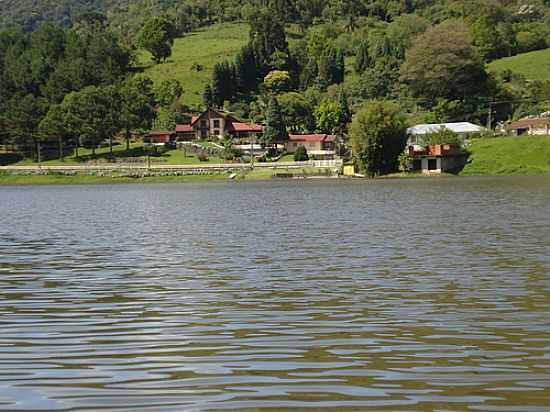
{"x": 132, "y": 153}
{"x": 7, "y": 159}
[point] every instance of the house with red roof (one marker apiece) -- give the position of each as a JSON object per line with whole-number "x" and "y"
{"x": 160, "y": 137}
{"x": 216, "y": 124}
{"x": 321, "y": 146}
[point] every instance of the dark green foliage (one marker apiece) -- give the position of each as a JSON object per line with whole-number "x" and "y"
{"x": 207, "y": 97}
{"x": 301, "y": 154}
{"x": 246, "y": 71}
{"x": 297, "y": 112}
{"x": 444, "y": 63}
{"x": 168, "y": 92}
{"x": 22, "y": 119}
{"x": 378, "y": 81}
{"x": 93, "y": 114}
{"x": 443, "y": 136}
{"x": 362, "y": 60}
{"x": 223, "y": 83}
{"x": 331, "y": 67}
{"x": 378, "y": 137}
{"x": 275, "y": 129}
{"x": 157, "y": 37}
{"x": 345, "y": 111}
{"x": 267, "y": 36}
{"x": 137, "y": 105}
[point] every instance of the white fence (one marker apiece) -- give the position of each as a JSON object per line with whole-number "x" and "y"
{"x": 164, "y": 167}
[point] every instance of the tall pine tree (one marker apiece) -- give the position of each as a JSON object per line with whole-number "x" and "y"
{"x": 275, "y": 129}
{"x": 362, "y": 59}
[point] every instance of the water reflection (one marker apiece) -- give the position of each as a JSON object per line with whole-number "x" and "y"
{"x": 395, "y": 295}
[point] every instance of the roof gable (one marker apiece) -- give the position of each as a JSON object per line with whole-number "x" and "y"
{"x": 208, "y": 114}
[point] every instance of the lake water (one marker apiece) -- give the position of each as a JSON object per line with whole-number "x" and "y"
{"x": 428, "y": 294}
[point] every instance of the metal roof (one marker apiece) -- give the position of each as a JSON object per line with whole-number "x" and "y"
{"x": 460, "y": 127}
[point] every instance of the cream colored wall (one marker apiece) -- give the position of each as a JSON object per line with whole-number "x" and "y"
{"x": 539, "y": 131}
{"x": 292, "y": 146}
{"x": 220, "y": 129}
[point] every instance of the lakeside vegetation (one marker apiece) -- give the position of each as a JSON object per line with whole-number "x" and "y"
{"x": 9, "y": 178}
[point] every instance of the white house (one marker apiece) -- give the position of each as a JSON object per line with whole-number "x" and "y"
{"x": 533, "y": 126}
{"x": 463, "y": 129}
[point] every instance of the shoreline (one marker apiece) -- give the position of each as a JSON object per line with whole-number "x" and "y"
{"x": 7, "y": 179}
{"x": 20, "y": 179}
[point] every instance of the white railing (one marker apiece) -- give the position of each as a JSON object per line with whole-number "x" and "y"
{"x": 205, "y": 166}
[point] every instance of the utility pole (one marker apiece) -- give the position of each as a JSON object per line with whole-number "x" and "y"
{"x": 490, "y": 117}
{"x": 39, "y": 155}
{"x": 252, "y": 154}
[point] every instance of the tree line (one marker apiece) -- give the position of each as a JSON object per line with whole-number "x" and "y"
{"x": 78, "y": 87}
{"x": 308, "y": 66}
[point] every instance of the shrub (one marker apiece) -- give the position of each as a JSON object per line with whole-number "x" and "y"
{"x": 404, "y": 162}
{"x": 443, "y": 136}
{"x": 301, "y": 154}
{"x": 202, "y": 156}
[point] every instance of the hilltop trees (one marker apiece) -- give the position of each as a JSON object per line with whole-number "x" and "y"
{"x": 267, "y": 39}
{"x": 443, "y": 62}
{"x": 157, "y": 37}
{"x": 362, "y": 59}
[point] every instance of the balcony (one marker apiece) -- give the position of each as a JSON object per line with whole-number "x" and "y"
{"x": 440, "y": 150}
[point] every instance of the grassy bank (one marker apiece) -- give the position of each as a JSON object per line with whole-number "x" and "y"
{"x": 87, "y": 179}
{"x": 525, "y": 155}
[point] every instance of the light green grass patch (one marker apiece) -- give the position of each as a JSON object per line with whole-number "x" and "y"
{"x": 533, "y": 65}
{"x": 172, "y": 157}
{"x": 523, "y": 155}
{"x": 205, "y": 47}
{"x": 81, "y": 179}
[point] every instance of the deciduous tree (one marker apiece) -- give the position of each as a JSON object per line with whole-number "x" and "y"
{"x": 157, "y": 37}
{"x": 443, "y": 62}
{"x": 378, "y": 136}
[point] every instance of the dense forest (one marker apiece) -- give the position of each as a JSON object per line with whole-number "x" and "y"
{"x": 316, "y": 62}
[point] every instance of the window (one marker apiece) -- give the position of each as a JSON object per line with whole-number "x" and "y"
{"x": 432, "y": 164}
{"x": 217, "y": 123}
{"x": 216, "y": 132}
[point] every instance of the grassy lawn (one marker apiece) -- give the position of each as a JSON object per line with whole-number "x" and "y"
{"x": 205, "y": 47}
{"x": 522, "y": 155}
{"x": 172, "y": 157}
{"x": 287, "y": 158}
{"x": 533, "y": 65}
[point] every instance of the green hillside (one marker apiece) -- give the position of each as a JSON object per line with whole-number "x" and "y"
{"x": 509, "y": 156}
{"x": 533, "y": 65}
{"x": 202, "y": 48}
